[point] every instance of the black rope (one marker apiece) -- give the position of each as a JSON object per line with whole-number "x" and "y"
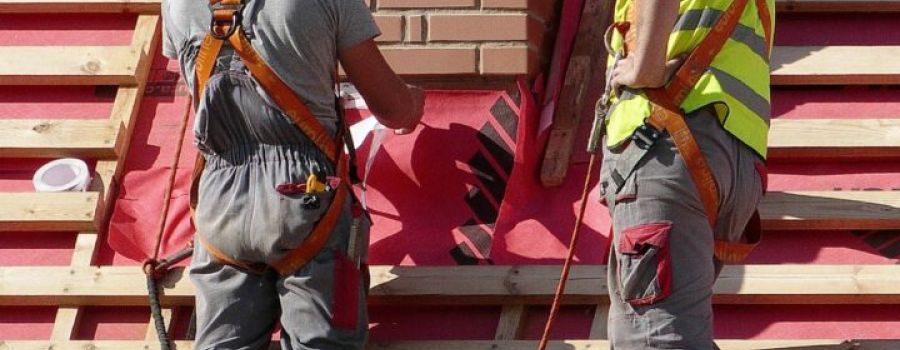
{"x": 165, "y": 342}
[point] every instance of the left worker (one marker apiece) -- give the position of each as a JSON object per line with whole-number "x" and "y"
{"x": 268, "y": 180}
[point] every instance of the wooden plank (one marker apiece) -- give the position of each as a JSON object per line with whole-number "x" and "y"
{"x": 153, "y": 6}
{"x": 601, "y": 344}
{"x": 599, "y": 322}
{"x": 79, "y": 6}
{"x": 831, "y": 210}
{"x": 69, "y": 211}
{"x": 119, "y": 128}
{"x": 46, "y": 138}
{"x": 65, "y": 211}
{"x": 835, "y": 65}
{"x": 473, "y": 285}
{"x": 835, "y": 138}
{"x": 69, "y": 65}
{"x": 511, "y": 322}
{"x": 835, "y": 210}
{"x": 583, "y": 85}
{"x": 128, "y": 98}
{"x": 811, "y": 344}
{"x": 124, "y": 114}
{"x": 67, "y": 317}
{"x": 151, "y": 334}
{"x": 862, "y": 6}
{"x": 64, "y": 324}
{"x": 85, "y": 249}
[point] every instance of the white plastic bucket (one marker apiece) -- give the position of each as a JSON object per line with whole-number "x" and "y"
{"x": 67, "y": 174}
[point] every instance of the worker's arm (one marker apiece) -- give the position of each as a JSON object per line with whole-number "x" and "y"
{"x": 395, "y": 104}
{"x": 646, "y": 65}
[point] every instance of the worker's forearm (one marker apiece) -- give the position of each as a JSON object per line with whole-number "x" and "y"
{"x": 395, "y": 107}
{"x": 655, "y": 20}
{"x": 395, "y": 104}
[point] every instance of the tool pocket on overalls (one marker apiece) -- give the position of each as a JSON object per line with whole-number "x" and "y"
{"x": 645, "y": 266}
{"x": 346, "y": 302}
{"x": 299, "y": 209}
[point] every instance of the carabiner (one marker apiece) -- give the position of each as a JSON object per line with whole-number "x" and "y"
{"x": 235, "y": 22}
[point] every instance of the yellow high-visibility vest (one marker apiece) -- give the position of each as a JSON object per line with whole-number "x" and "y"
{"x": 736, "y": 84}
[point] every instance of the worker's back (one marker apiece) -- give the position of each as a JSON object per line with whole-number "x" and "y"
{"x": 297, "y": 38}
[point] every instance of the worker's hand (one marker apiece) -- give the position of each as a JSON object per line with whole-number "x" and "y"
{"x": 394, "y": 103}
{"x": 418, "y": 106}
{"x": 626, "y": 74}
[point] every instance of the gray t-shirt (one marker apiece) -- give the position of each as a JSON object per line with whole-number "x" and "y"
{"x": 297, "y": 38}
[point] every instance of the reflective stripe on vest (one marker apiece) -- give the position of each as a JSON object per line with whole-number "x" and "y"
{"x": 737, "y": 82}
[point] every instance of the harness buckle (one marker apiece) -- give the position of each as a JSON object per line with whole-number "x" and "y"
{"x": 645, "y": 136}
{"x": 225, "y": 16}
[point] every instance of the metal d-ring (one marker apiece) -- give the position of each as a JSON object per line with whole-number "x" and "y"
{"x": 235, "y": 21}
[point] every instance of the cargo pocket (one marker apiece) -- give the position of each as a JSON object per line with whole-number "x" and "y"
{"x": 345, "y": 307}
{"x": 298, "y": 214}
{"x": 645, "y": 266}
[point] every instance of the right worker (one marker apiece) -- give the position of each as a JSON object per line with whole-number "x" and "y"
{"x": 683, "y": 168}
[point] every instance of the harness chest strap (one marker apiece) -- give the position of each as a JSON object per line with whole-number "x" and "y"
{"x": 666, "y": 115}
{"x": 296, "y": 110}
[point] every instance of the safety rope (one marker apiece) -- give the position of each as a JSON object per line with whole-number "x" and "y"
{"x": 165, "y": 342}
{"x": 155, "y": 268}
{"x": 564, "y": 276}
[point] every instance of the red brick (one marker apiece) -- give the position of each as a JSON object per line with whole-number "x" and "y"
{"x": 424, "y": 60}
{"x": 391, "y": 27}
{"x": 414, "y": 4}
{"x": 507, "y": 60}
{"x": 492, "y": 27}
{"x": 506, "y": 4}
{"x": 415, "y": 28}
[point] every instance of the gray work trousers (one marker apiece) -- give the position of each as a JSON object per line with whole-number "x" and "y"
{"x": 251, "y": 148}
{"x": 662, "y": 269}
{"x": 321, "y": 306}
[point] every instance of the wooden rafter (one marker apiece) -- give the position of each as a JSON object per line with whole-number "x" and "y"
{"x": 473, "y": 285}
{"x": 152, "y": 6}
{"x": 837, "y": 210}
{"x": 73, "y": 65}
{"x": 583, "y": 85}
{"x": 512, "y": 322}
{"x": 834, "y": 210}
{"x": 67, "y": 317}
{"x": 106, "y": 139}
{"x": 812, "y": 344}
{"x": 835, "y": 65}
{"x": 66, "y": 211}
{"x": 79, "y": 6}
{"x": 47, "y": 138}
{"x": 835, "y": 138}
{"x": 865, "y": 6}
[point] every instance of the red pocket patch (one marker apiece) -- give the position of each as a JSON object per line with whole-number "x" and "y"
{"x": 645, "y": 265}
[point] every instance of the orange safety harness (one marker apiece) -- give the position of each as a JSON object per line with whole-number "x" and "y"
{"x": 226, "y": 26}
{"x": 667, "y": 116}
